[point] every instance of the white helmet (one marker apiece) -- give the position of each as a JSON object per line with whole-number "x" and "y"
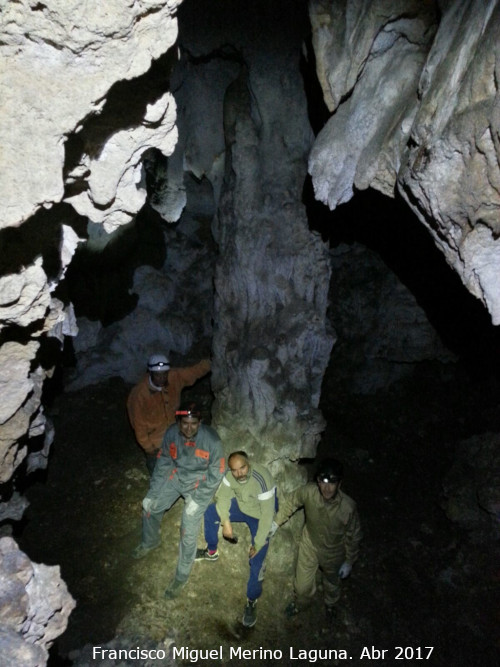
{"x": 158, "y": 362}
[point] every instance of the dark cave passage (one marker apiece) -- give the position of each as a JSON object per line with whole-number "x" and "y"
{"x": 389, "y": 228}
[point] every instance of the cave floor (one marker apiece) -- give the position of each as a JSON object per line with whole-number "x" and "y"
{"x": 420, "y": 581}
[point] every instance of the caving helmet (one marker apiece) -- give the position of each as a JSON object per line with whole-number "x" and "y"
{"x": 330, "y": 471}
{"x": 188, "y": 410}
{"x": 158, "y": 363}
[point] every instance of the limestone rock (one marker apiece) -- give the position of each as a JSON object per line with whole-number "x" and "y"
{"x": 15, "y": 383}
{"x": 34, "y": 607}
{"x": 24, "y": 296}
{"x": 471, "y": 487}
{"x": 271, "y": 344}
{"x": 51, "y": 48}
{"x": 18, "y": 424}
{"x": 157, "y": 322}
{"x": 38, "y": 460}
{"x": 369, "y": 60}
{"x": 416, "y": 107}
{"x": 20, "y": 393}
{"x": 15, "y": 651}
{"x": 26, "y": 302}
{"x": 201, "y": 148}
{"x": 49, "y": 607}
{"x": 450, "y": 175}
{"x": 114, "y": 195}
{"x": 14, "y": 508}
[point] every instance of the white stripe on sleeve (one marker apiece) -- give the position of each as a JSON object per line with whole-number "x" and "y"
{"x": 267, "y": 494}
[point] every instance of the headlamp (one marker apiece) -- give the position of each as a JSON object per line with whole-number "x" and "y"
{"x": 328, "y": 479}
{"x": 158, "y": 363}
{"x": 188, "y": 413}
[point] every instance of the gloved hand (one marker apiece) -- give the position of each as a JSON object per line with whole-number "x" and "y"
{"x": 191, "y": 507}
{"x": 345, "y": 570}
{"x": 148, "y": 504}
{"x": 274, "y": 528}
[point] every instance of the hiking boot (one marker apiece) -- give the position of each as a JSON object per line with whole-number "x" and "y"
{"x": 204, "y": 554}
{"x": 250, "y": 615}
{"x": 174, "y": 590}
{"x": 142, "y": 550}
{"x": 291, "y": 609}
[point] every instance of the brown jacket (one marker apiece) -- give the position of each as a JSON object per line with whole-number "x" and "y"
{"x": 152, "y": 411}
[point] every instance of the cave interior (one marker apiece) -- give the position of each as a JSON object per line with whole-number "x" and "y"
{"x": 407, "y": 397}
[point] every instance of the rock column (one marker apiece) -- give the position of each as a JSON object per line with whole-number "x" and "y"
{"x": 271, "y": 344}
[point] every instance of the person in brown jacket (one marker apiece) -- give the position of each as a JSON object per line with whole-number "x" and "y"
{"x": 152, "y": 403}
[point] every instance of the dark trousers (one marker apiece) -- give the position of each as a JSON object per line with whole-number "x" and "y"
{"x": 257, "y": 563}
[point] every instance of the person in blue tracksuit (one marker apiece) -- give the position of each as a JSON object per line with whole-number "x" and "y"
{"x": 247, "y": 493}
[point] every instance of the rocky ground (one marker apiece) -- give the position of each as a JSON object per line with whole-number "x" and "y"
{"x": 420, "y": 582}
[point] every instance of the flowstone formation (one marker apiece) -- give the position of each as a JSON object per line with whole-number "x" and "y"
{"x": 413, "y": 92}
{"x": 271, "y": 344}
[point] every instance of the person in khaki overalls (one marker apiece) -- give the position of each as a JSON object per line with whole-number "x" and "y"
{"x": 330, "y": 537}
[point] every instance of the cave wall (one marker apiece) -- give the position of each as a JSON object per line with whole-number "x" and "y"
{"x": 62, "y": 141}
{"x": 151, "y": 291}
{"x": 383, "y": 332}
{"x": 413, "y": 92}
{"x": 64, "y": 56}
{"x": 59, "y": 145}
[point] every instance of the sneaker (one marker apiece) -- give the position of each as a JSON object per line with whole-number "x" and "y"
{"x": 250, "y": 615}
{"x": 204, "y": 554}
{"x": 142, "y": 550}
{"x": 291, "y": 609}
{"x": 174, "y": 590}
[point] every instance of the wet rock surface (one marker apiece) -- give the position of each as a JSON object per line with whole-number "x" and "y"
{"x": 420, "y": 581}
